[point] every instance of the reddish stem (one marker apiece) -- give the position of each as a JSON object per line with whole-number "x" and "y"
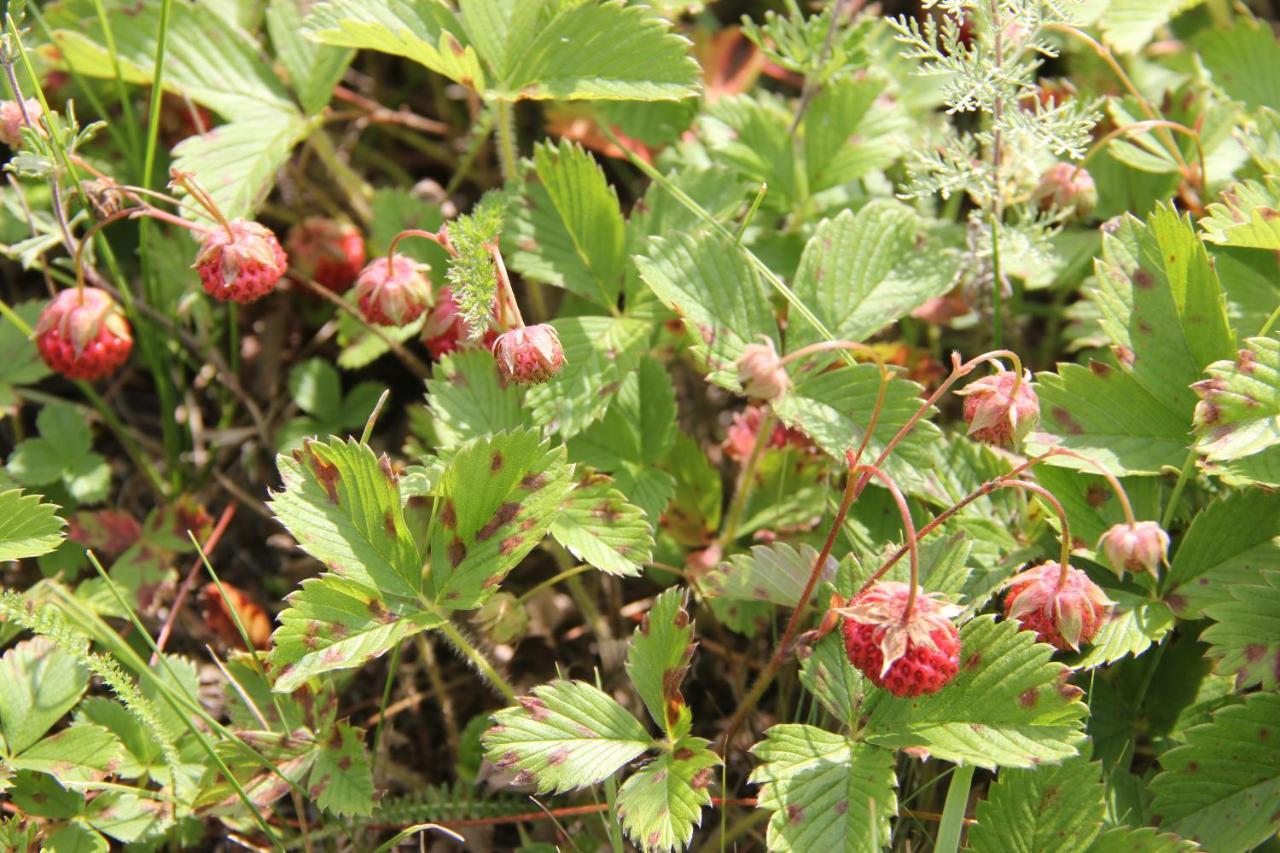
{"x": 1064, "y": 561}
{"x": 183, "y": 591}
{"x": 909, "y": 530}
{"x": 440, "y": 238}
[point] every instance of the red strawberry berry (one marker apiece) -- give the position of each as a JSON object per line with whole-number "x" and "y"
{"x": 83, "y": 334}
{"x": 445, "y": 330}
{"x": 996, "y": 412}
{"x": 529, "y": 354}
{"x": 1064, "y": 615}
{"x": 240, "y": 262}
{"x": 907, "y": 657}
{"x": 393, "y": 293}
{"x": 1140, "y": 547}
{"x": 327, "y": 251}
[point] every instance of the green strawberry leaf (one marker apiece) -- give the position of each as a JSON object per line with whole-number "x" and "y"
{"x": 498, "y": 496}
{"x": 29, "y": 527}
{"x": 1245, "y": 636}
{"x": 469, "y": 399}
{"x": 1048, "y": 808}
{"x": 775, "y": 573}
{"x": 62, "y": 454}
{"x": 313, "y": 69}
{"x": 599, "y": 526}
{"x": 1228, "y": 543}
{"x": 1221, "y": 787}
{"x": 658, "y": 659}
{"x": 566, "y": 735}
{"x": 341, "y": 782}
{"x": 825, "y": 791}
{"x": 1246, "y": 215}
{"x": 39, "y": 683}
{"x": 20, "y": 362}
{"x": 662, "y": 803}
{"x": 832, "y": 679}
{"x": 1239, "y": 411}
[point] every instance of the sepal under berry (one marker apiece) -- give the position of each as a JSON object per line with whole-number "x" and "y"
{"x": 529, "y": 354}
{"x": 1065, "y": 615}
{"x": 761, "y": 372}
{"x": 393, "y": 292}
{"x": 906, "y": 654}
{"x": 1000, "y": 409}
{"x": 1140, "y": 547}
{"x": 240, "y": 262}
{"x": 83, "y": 334}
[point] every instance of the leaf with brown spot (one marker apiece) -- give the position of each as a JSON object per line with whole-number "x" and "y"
{"x": 342, "y": 774}
{"x": 496, "y": 518}
{"x": 662, "y": 803}
{"x": 599, "y": 526}
{"x": 658, "y": 658}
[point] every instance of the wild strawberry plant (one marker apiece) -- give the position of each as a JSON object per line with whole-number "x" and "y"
{"x": 615, "y": 424}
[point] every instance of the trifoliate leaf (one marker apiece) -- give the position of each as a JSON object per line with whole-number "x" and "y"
{"x": 29, "y": 527}
{"x": 1245, "y": 636}
{"x": 498, "y": 497}
{"x": 601, "y": 527}
{"x": 639, "y": 425}
{"x": 1239, "y": 410}
{"x": 776, "y": 573}
{"x": 1227, "y": 544}
{"x": 63, "y": 453}
{"x": 1009, "y": 705}
{"x": 427, "y": 33}
{"x": 662, "y": 803}
{"x": 750, "y": 134}
{"x": 469, "y": 399}
{"x": 341, "y": 782}
{"x": 861, "y": 272}
{"x": 825, "y": 791}
{"x": 658, "y": 659}
{"x": 828, "y": 675}
{"x": 566, "y": 735}
{"x": 850, "y": 131}
{"x": 598, "y": 353}
{"x": 39, "y": 683}
{"x": 343, "y": 506}
{"x": 1221, "y": 787}
{"x": 500, "y": 29}
{"x": 335, "y": 622}
{"x": 603, "y": 51}
{"x": 707, "y": 283}
{"x": 1048, "y": 808}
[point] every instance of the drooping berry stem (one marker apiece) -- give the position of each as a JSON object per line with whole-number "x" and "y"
{"x": 440, "y": 238}
{"x": 908, "y": 527}
{"x": 885, "y": 377}
{"x": 202, "y": 197}
{"x": 145, "y": 210}
{"x": 1111, "y": 479}
{"x": 505, "y": 292}
{"x": 1064, "y": 563}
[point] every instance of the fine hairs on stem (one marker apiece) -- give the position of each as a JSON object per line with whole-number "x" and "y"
{"x": 1064, "y": 560}
{"x": 908, "y": 527}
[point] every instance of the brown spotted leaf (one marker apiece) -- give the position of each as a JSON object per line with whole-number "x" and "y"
{"x": 1048, "y": 808}
{"x": 341, "y": 782}
{"x": 1248, "y": 214}
{"x": 333, "y": 623}
{"x": 598, "y": 525}
{"x": 498, "y": 496}
{"x": 658, "y": 659}
{"x": 1163, "y": 309}
{"x": 1245, "y": 636}
{"x": 825, "y": 791}
{"x": 343, "y": 506}
{"x": 1239, "y": 410}
{"x": 567, "y": 735}
{"x": 661, "y": 804}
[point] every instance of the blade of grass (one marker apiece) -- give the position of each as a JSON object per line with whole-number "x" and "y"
{"x": 953, "y": 811}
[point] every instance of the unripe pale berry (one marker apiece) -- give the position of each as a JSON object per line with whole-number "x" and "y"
{"x": 83, "y": 334}
{"x": 1065, "y": 616}
{"x": 997, "y": 412}
{"x": 240, "y": 262}
{"x": 1140, "y": 547}
{"x": 529, "y": 354}
{"x": 327, "y": 251}
{"x": 1066, "y": 186}
{"x": 907, "y": 656}
{"x": 761, "y": 372}
{"x": 11, "y": 121}
{"x": 393, "y": 293}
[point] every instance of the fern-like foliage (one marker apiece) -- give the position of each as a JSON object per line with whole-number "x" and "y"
{"x": 472, "y": 274}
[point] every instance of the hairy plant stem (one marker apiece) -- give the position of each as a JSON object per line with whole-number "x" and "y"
{"x": 504, "y": 120}
{"x": 1178, "y": 488}
{"x": 478, "y": 660}
{"x": 416, "y": 365}
{"x": 1064, "y": 559}
{"x": 996, "y": 213}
